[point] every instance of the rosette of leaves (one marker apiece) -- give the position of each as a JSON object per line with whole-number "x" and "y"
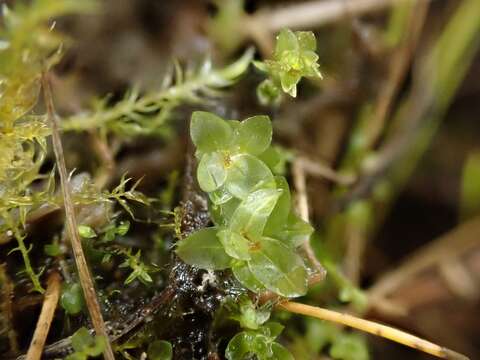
{"x": 256, "y": 233}
{"x": 294, "y": 58}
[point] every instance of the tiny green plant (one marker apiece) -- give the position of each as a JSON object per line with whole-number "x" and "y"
{"x": 86, "y": 346}
{"x": 294, "y": 58}
{"x": 256, "y": 231}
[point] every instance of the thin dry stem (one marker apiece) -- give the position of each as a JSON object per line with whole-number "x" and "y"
{"x": 372, "y": 328}
{"x": 50, "y": 302}
{"x": 300, "y": 183}
{"x": 397, "y": 70}
{"x": 456, "y": 242}
{"x": 82, "y": 266}
{"x": 310, "y": 14}
{"x": 317, "y": 168}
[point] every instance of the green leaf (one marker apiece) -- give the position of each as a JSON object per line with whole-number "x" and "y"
{"x": 252, "y": 214}
{"x": 276, "y": 159}
{"x": 71, "y": 299}
{"x": 123, "y": 227}
{"x": 249, "y": 343}
{"x": 272, "y": 329}
{"x": 281, "y": 353}
{"x": 160, "y": 350}
{"x": 239, "y": 346}
{"x": 289, "y": 81}
{"x": 86, "y": 232}
{"x": 250, "y": 317}
{"x": 279, "y": 268}
{"x": 220, "y": 196}
{"x": 243, "y": 274}
{"x": 209, "y": 132}
{"x": 235, "y": 244}
{"x": 295, "y": 232}
{"x": 280, "y": 212}
{"x": 52, "y": 249}
{"x": 306, "y": 40}
{"x": 246, "y": 173}
{"x": 204, "y": 250}
{"x": 83, "y": 342}
{"x": 268, "y": 93}
{"x": 254, "y": 135}
{"x": 221, "y": 214}
{"x": 286, "y": 41}
{"x": 349, "y": 347}
{"x": 470, "y": 187}
{"x": 211, "y": 173}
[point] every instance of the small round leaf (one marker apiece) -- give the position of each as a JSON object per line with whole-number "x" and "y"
{"x": 210, "y": 132}
{"x": 254, "y": 135}
{"x": 211, "y": 173}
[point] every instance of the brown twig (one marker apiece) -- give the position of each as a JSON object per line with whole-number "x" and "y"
{"x": 372, "y": 328}
{"x": 82, "y": 266}
{"x": 300, "y": 183}
{"x": 458, "y": 241}
{"x": 320, "y": 169}
{"x": 50, "y": 302}
{"x": 315, "y": 13}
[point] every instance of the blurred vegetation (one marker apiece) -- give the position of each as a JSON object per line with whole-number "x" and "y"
{"x": 372, "y": 174}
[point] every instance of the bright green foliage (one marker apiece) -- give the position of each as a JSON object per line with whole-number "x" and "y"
{"x": 256, "y": 233}
{"x": 204, "y": 249}
{"x": 260, "y": 342}
{"x": 470, "y": 190}
{"x": 71, "y": 299}
{"x": 149, "y": 114}
{"x": 86, "y": 232}
{"x": 85, "y": 345}
{"x": 140, "y": 271}
{"x": 160, "y": 350}
{"x": 248, "y": 315}
{"x": 293, "y": 59}
{"x": 26, "y": 48}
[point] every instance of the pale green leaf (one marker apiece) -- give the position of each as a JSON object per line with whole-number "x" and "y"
{"x": 244, "y": 275}
{"x": 254, "y": 135}
{"x": 86, "y": 232}
{"x": 252, "y": 214}
{"x": 221, "y": 214}
{"x": 306, "y": 40}
{"x": 279, "y": 268}
{"x": 235, "y": 244}
{"x": 280, "y": 212}
{"x": 246, "y": 173}
{"x": 281, "y": 353}
{"x": 211, "y": 172}
{"x": 209, "y": 132}
{"x": 295, "y": 231}
{"x": 204, "y": 250}
{"x": 286, "y": 41}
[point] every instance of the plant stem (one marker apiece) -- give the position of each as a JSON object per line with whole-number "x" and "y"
{"x": 84, "y": 274}
{"x": 46, "y": 316}
{"x": 373, "y": 328}
{"x": 312, "y": 14}
{"x": 24, "y": 251}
